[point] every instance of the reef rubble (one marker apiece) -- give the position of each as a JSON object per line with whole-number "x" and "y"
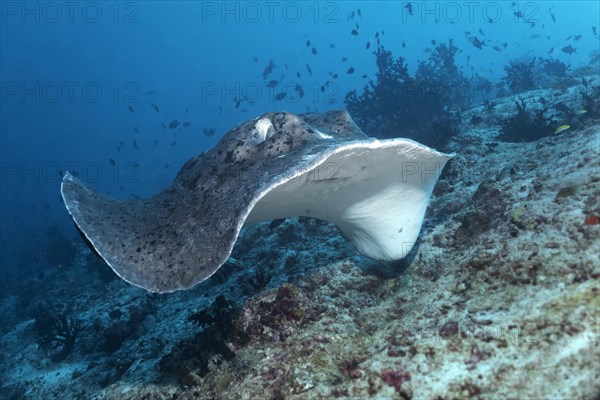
{"x": 499, "y": 299}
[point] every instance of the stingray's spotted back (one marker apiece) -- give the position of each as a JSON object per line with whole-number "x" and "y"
{"x": 182, "y": 235}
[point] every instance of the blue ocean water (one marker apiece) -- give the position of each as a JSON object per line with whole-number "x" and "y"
{"x": 122, "y": 94}
{"x": 70, "y": 71}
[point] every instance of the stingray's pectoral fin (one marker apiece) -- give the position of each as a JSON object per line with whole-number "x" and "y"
{"x": 382, "y": 212}
{"x": 136, "y": 239}
{"x": 375, "y": 192}
{"x": 385, "y": 226}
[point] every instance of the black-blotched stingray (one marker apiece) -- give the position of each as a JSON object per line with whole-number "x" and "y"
{"x": 279, "y": 165}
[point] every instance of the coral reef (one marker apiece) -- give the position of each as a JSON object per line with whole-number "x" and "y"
{"x": 524, "y": 74}
{"x": 527, "y": 125}
{"x": 555, "y": 68}
{"x": 400, "y": 105}
{"x": 591, "y": 100}
{"x": 520, "y": 76}
{"x": 56, "y": 332}
{"x": 498, "y": 299}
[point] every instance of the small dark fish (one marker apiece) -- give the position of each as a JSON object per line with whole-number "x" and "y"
{"x": 173, "y": 143}
{"x": 364, "y": 76}
{"x": 344, "y": 59}
{"x": 155, "y": 107}
{"x": 496, "y": 48}
{"x": 332, "y": 46}
{"x": 130, "y": 109}
{"x": 477, "y": 43}
{"x": 174, "y": 124}
{"x": 268, "y": 69}
{"x": 595, "y": 30}
{"x": 298, "y": 74}
{"x": 209, "y": 132}
{"x": 285, "y": 66}
{"x": 553, "y": 17}
{"x": 255, "y": 59}
{"x": 308, "y": 43}
{"x": 376, "y": 35}
{"x": 368, "y": 46}
{"x": 569, "y": 49}
{"x": 163, "y": 126}
{"x": 403, "y": 44}
{"x": 334, "y": 76}
{"x": 313, "y": 50}
{"x": 112, "y": 162}
{"x": 237, "y": 103}
{"x": 135, "y": 130}
{"x": 187, "y": 110}
{"x": 155, "y": 142}
{"x": 551, "y": 51}
{"x": 433, "y": 42}
{"x": 577, "y": 37}
{"x": 350, "y": 71}
{"x": 186, "y": 124}
{"x": 409, "y": 8}
{"x": 149, "y": 92}
{"x": 166, "y": 166}
{"x": 481, "y": 32}
{"x": 354, "y": 32}
{"x": 358, "y": 12}
{"x": 280, "y": 96}
{"x": 134, "y": 144}
{"x": 467, "y": 33}
{"x": 518, "y": 14}
{"x": 309, "y": 70}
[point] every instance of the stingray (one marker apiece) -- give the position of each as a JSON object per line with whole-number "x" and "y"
{"x": 279, "y": 165}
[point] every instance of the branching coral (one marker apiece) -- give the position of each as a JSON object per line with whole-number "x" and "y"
{"x": 56, "y": 332}
{"x": 526, "y": 125}
{"x": 519, "y": 76}
{"x": 555, "y": 68}
{"x": 419, "y": 107}
{"x": 591, "y": 101}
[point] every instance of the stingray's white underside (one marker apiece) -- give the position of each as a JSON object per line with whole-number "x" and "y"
{"x": 375, "y": 192}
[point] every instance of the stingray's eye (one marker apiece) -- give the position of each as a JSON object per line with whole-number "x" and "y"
{"x": 263, "y": 130}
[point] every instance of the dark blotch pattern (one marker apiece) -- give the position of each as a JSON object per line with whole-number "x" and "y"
{"x": 182, "y": 235}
